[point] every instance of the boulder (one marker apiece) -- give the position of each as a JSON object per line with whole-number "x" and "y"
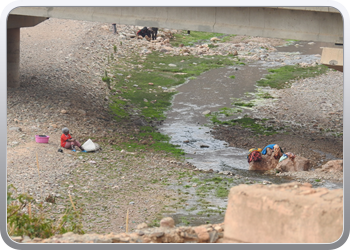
{"x": 167, "y": 222}
{"x": 214, "y": 39}
{"x": 267, "y": 162}
{"x": 299, "y": 163}
{"x": 332, "y": 166}
{"x": 286, "y": 213}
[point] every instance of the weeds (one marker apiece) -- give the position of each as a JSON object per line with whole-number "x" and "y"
{"x": 35, "y": 222}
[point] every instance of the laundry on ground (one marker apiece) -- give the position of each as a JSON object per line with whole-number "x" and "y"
{"x": 256, "y": 153}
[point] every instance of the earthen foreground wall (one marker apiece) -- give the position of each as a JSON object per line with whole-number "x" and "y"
{"x": 286, "y": 213}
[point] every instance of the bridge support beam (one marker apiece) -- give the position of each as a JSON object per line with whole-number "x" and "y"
{"x": 13, "y": 57}
{"x": 14, "y": 23}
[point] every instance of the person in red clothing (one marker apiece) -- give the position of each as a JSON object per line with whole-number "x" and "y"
{"x": 68, "y": 142}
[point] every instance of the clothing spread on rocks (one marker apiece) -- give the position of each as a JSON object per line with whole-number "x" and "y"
{"x": 287, "y": 155}
{"x": 284, "y": 156}
{"x": 254, "y": 154}
{"x": 290, "y": 155}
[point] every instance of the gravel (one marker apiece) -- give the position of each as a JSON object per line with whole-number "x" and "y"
{"x": 62, "y": 62}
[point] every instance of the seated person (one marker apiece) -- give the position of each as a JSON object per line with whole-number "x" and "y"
{"x": 144, "y": 32}
{"x": 68, "y": 142}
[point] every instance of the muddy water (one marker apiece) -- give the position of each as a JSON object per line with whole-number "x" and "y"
{"x": 212, "y": 90}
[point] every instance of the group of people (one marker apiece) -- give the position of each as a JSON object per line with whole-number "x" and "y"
{"x": 151, "y": 32}
{"x": 278, "y": 154}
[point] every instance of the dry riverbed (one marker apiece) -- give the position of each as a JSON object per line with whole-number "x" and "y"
{"x": 62, "y": 62}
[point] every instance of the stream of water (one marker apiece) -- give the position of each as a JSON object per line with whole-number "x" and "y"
{"x": 212, "y": 90}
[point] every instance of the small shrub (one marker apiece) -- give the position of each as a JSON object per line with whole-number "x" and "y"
{"x": 34, "y": 223}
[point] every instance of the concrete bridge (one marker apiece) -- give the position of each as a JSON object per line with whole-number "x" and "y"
{"x": 300, "y": 23}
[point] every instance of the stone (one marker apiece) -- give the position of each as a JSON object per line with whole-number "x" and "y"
{"x": 63, "y": 111}
{"x": 142, "y": 226}
{"x": 82, "y": 112}
{"x": 17, "y": 129}
{"x": 16, "y": 238}
{"x": 171, "y": 65}
{"x": 207, "y": 112}
{"x": 130, "y": 35}
{"x": 26, "y": 239}
{"x": 285, "y": 213}
{"x": 297, "y": 164}
{"x": 214, "y": 39}
{"x": 202, "y": 234}
{"x": 332, "y": 166}
{"x": 167, "y": 222}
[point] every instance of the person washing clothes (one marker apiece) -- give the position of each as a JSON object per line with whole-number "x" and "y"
{"x": 68, "y": 142}
{"x": 277, "y": 150}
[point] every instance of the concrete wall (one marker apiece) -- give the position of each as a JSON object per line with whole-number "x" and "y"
{"x": 315, "y": 24}
{"x": 13, "y": 50}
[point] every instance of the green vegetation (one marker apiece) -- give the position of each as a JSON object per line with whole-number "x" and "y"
{"x": 36, "y": 222}
{"x": 244, "y": 104}
{"x": 185, "y": 221}
{"x": 232, "y": 77}
{"x": 198, "y": 37}
{"x": 264, "y": 95}
{"x": 221, "y": 192}
{"x": 280, "y": 78}
{"x": 147, "y": 93}
{"x": 212, "y": 46}
{"x": 154, "y": 223}
{"x": 149, "y": 139}
{"x": 246, "y": 122}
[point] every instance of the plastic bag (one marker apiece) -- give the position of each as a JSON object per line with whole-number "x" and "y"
{"x": 89, "y": 146}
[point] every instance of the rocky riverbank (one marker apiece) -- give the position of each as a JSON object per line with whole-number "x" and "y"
{"x": 62, "y": 63}
{"x": 166, "y": 233}
{"x": 311, "y": 113}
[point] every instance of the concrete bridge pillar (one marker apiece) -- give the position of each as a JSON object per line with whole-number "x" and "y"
{"x": 13, "y": 56}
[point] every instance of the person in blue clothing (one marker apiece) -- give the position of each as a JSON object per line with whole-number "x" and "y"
{"x": 268, "y": 146}
{"x": 278, "y": 152}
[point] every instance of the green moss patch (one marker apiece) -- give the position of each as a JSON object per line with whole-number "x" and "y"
{"x": 280, "y": 78}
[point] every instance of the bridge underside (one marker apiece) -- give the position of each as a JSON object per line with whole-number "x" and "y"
{"x": 315, "y": 24}
{"x": 308, "y": 24}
